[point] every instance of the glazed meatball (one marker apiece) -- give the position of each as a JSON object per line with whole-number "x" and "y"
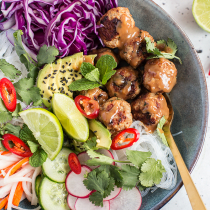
{"x": 134, "y": 50}
{"x": 149, "y": 108}
{"x": 116, "y": 115}
{"x": 159, "y": 75}
{"x": 104, "y": 51}
{"x": 96, "y": 94}
{"x": 111, "y": 21}
{"x": 124, "y": 83}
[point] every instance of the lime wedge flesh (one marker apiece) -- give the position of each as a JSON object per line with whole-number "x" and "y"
{"x": 46, "y": 128}
{"x": 201, "y": 13}
{"x": 74, "y": 123}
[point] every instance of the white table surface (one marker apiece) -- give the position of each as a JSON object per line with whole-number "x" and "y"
{"x": 181, "y": 12}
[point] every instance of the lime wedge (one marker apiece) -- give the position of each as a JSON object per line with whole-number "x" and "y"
{"x": 74, "y": 123}
{"x": 201, "y": 13}
{"x": 46, "y": 129}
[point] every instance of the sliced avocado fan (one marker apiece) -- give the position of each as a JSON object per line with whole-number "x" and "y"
{"x": 56, "y": 77}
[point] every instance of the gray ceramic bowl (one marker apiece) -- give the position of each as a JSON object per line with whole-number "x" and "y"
{"x": 189, "y": 97}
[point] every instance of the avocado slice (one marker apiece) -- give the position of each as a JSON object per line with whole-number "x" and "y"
{"x": 56, "y": 77}
{"x": 102, "y": 134}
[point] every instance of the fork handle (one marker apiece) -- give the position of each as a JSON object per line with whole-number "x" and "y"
{"x": 194, "y": 197}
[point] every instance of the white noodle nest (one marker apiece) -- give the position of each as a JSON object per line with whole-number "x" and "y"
{"x": 153, "y": 143}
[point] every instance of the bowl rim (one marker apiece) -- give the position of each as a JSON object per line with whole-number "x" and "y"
{"x": 206, "y": 107}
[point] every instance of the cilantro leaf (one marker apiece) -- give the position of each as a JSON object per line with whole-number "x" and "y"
{"x": 150, "y": 47}
{"x": 13, "y": 129}
{"x": 47, "y": 55}
{"x": 27, "y": 135}
{"x": 8, "y": 69}
{"x": 83, "y": 84}
{"x": 90, "y": 144}
{"x": 137, "y": 157}
{"x": 152, "y": 172}
{"x": 86, "y": 68}
{"x": 5, "y": 116}
{"x": 93, "y": 75}
{"x": 26, "y": 91}
{"x": 130, "y": 176}
{"x": 17, "y": 110}
{"x": 106, "y": 64}
{"x": 160, "y": 130}
{"x": 33, "y": 146}
{"x": 2, "y": 106}
{"x": 96, "y": 198}
{"x": 161, "y": 42}
{"x": 98, "y": 159}
{"x": 38, "y": 158}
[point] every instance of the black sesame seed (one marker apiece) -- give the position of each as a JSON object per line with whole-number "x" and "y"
{"x": 73, "y": 79}
{"x": 69, "y": 77}
{"x": 43, "y": 91}
{"x": 76, "y": 75}
{"x": 50, "y": 97}
{"x": 48, "y": 101}
{"x": 71, "y": 74}
{"x": 52, "y": 77}
{"x": 71, "y": 70}
{"x": 42, "y": 96}
{"x": 55, "y": 70}
{"x": 54, "y": 73}
{"x": 48, "y": 87}
{"x": 71, "y": 91}
{"x": 66, "y": 62}
{"x": 80, "y": 73}
{"x": 44, "y": 82}
{"x": 45, "y": 78}
{"x": 51, "y": 88}
{"x": 69, "y": 64}
{"x": 63, "y": 84}
{"x": 63, "y": 66}
{"x": 52, "y": 84}
{"x": 49, "y": 75}
{"x": 55, "y": 62}
{"x": 67, "y": 94}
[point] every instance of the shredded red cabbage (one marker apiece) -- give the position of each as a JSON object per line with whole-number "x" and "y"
{"x": 69, "y": 25}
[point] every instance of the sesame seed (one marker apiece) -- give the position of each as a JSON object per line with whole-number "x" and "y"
{"x": 66, "y": 62}
{"x": 48, "y": 101}
{"x": 76, "y": 75}
{"x": 63, "y": 84}
{"x": 67, "y": 94}
{"x": 71, "y": 74}
{"x": 48, "y": 87}
{"x": 52, "y": 77}
{"x": 71, "y": 70}
{"x": 51, "y": 88}
{"x": 42, "y": 96}
{"x": 80, "y": 73}
{"x": 54, "y": 73}
{"x": 49, "y": 75}
{"x": 69, "y": 77}
{"x": 43, "y": 91}
{"x": 63, "y": 66}
{"x": 71, "y": 91}
{"x": 50, "y": 97}
{"x": 44, "y": 82}
{"x": 55, "y": 62}
{"x": 73, "y": 79}
{"x": 52, "y": 84}
{"x": 55, "y": 70}
{"x": 45, "y": 78}
{"x": 69, "y": 64}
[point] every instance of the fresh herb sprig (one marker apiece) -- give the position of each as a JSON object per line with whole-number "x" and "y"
{"x": 150, "y": 47}
{"x": 160, "y": 130}
{"x": 95, "y": 76}
{"x": 142, "y": 171}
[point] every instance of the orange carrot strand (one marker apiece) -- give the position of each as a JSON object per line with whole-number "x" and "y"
{"x": 19, "y": 165}
{"x": 5, "y": 152}
{"x": 18, "y": 194}
{"x": 3, "y": 202}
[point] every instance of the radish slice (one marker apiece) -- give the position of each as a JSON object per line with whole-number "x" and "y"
{"x": 113, "y": 194}
{"x": 71, "y": 200}
{"x": 127, "y": 200}
{"x": 84, "y": 203}
{"x": 74, "y": 183}
{"x": 83, "y": 157}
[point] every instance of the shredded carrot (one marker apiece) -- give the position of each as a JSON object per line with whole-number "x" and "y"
{"x": 7, "y": 169}
{"x": 18, "y": 194}
{"x": 19, "y": 165}
{"x": 6, "y": 205}
{"x": 5, "y": 152}
{"x": 3, "y": 202}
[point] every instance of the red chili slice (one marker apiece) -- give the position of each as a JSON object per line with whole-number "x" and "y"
{"x": 8, "y": 94}
{"x": 88, "y": 107}
{"x": 74, "y": 163}
{"x": 120, "y": 141}
{"x": 16, "y": 145}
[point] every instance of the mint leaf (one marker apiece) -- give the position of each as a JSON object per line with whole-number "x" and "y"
{"x": 152, "y": 172}
{"x": 38, "y": 158}
{"x": 160, "y": 130}
{"x": 137, "y": 157}
{"x": 130, "y": 176}
{"x": 33, "y": 146}
{"x": 93, "y": 76}
{"x": 5, "y": 116}
{"x": 90, "y": 144}
{"x": 83, "y": 84}
{"x": 106, "y": 64}
{"x": 47, "y": 55}
{"x": 98, "y": 159}
{"x": 13, "y": 129}
{"x": 86, "y": 68}
{"x": 9, "y": 70}
{"x": 26, "y": 91}
{"x": 27, "y": 135}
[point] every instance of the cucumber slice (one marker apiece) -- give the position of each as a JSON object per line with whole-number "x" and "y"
{"x": 37, "y": 183}
{"x": 57, "y": 169}
{"x": 52, "y": 195}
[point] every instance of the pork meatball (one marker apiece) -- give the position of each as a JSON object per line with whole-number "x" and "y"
{"x": 149, "y": 108}
{"x": 111, "y": 21}
{"x": 134, "y": 50}
{"x": 124, "y": 83}
{"x": 104, "y": 51}
{"x": 116, "y": 115}
{"x": 96, "y": 94}
{"x": 159, "y": 75}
